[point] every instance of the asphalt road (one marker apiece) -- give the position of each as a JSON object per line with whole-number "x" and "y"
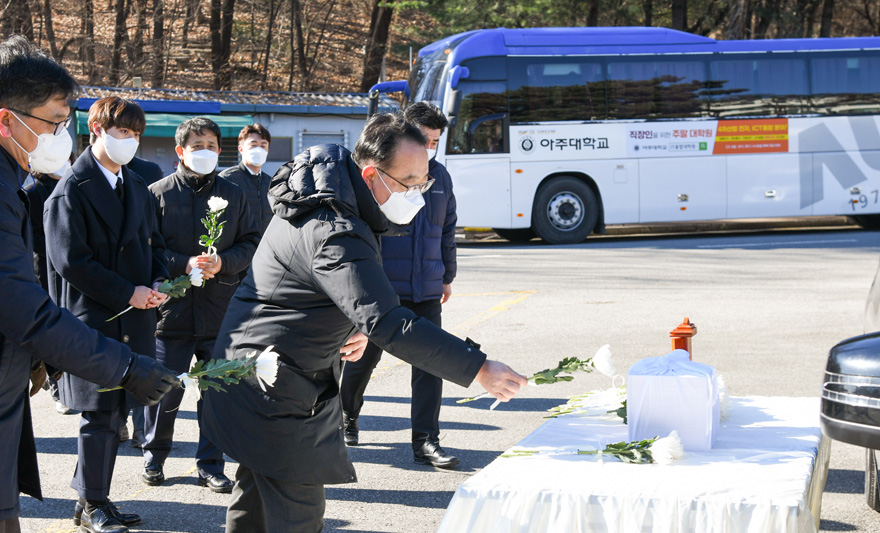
{"x": 767, "y": 305}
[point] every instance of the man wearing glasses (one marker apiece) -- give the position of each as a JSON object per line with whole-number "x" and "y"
{"x": 421, "y": 267}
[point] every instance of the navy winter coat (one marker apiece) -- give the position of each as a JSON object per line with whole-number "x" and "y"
{"x": 98, "y": 252}
{"x": 419, "y": 264}
{"x": 315, "y": 280}
{"x": 32, "y": 326}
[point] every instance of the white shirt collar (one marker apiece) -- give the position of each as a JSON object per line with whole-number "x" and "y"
{"x": 111, "y": 177}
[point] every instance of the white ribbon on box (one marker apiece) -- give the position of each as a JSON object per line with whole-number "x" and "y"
{"x": 673, "y": 393}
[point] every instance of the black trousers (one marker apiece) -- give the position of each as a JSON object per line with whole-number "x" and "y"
{"x": 97, "y": 445}
{"x": 264, "y": 505}
{"x": 10, "y": 526}
{"x": 427, "y": 389}
{"x": 176, "y": 355}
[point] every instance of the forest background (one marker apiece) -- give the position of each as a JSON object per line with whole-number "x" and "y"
{"x": 348, "y": 45}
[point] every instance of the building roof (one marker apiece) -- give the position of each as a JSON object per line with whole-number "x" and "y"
{"x": 215, "y": 102}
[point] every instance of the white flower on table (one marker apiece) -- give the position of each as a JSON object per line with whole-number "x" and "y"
{"x": 215, "y": 203}
{"x": 666, "y": 450}
{"x": 266, "y": 368}
{"x": 602, "y": 361}
{"x": 195, "y": 277}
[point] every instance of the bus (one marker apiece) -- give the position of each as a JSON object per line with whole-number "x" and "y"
{"x": 558, "y": 132}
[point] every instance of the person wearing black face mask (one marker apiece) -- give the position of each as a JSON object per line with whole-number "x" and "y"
{"x": 421, "y": 267}
{"x": 316, "y": 291}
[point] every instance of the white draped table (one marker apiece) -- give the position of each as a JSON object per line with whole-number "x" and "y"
{"x": 766, "y": 473}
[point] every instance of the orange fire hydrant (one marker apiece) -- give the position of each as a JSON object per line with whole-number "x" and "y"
{"x": 681, "y": 336}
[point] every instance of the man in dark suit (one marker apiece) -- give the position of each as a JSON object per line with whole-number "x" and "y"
{"x": 34, "y": 115}
{"x": 149, "y": 171}
{"x": 253, "y": 145}
{"x": 104, "y": 254}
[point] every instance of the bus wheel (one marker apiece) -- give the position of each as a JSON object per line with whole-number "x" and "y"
{"x": 565, "y": 211}
{"x": 868, "y": 221}
{"x": 515, "y": 235}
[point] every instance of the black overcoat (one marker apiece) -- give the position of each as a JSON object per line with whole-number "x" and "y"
{"x": 181, "y": 204}
{"x": 97, "y": 253}
{"x": 31, "y": 325}
{"x": 316, "y": 279}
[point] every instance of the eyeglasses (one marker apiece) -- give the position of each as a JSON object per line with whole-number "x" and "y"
{"x": 422, "y": 187}
{"x": 58, "y": 125}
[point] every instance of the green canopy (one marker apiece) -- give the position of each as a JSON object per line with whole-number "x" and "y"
{"x": 165, "y": 124}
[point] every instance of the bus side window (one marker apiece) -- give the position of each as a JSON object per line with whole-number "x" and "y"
{"x": 749, "y": 86}
{"x": 846, "y": 84}
{"x": 480, "y": 126}
{"x": 556, "y": 89}
{"x": 656, "y": 89}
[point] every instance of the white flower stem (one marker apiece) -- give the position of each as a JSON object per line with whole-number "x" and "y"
{"x": 130, "y": 307}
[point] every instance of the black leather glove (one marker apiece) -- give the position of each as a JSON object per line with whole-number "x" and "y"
{"x": 147, "y": 380}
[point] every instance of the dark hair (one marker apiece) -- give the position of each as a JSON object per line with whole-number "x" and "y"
{"x": 196, "y": 125}
{"x": 29, "y": 77}
{"x": 382, "y": 134}
{"x": 426, "y": 115}
{"x": 254, "y": 128}
{"x": 114, "y": 111}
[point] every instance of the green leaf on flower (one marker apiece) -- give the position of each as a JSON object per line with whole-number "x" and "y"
{"x": 568, "y": 365}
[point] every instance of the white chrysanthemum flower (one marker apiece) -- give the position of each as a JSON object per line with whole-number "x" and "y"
{"x": 195, "y": 277}
{"x": 190, "y": 384}
{"x": 267, "y": 368}
{"x": 723, "y": 397}
{"x": 602, "y": 361}
{"x": 215, "y": 203}
{"x": 667, "y": 449}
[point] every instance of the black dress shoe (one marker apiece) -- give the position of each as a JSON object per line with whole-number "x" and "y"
{"x": 219, "y": 483}
{"x": 153, "y": 475}
{"x": 350, "y": 429}
{"x": 432, "y": 454}
{"x": 102, "y": 520}
{"x": 126, "y": 519}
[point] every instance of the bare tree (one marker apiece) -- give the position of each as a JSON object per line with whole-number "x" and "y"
{"x": 221, "y": 42}
{"x": 377, "y": 42}
{"x": 593, "y": 13}
{"x": 87, "y": 40}
{"x": 190, "y": 17}
{"x": 118, "y": 41}
{"x": 273, "y": 13}
{"x": 17, "y": 18}
{"x": 648, "y": 8}
{"x": 827, "y": 18}
{"x": 297, "y": 45}
{"x": 158, "y": 70}
{"x": 737, "y": 19}
{"x": 679, "y": 15}
{"x": 50, "y": 28}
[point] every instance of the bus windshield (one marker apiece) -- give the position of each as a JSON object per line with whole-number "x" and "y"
{"x": 428, "y": 78}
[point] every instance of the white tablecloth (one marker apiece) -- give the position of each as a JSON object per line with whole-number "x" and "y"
{"x": 766, "y": 473}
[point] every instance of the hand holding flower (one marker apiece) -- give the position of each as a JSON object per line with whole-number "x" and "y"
{"x": 141, "y": 297}
{"x": 210, "y": 265}
{"x": 159, "y": 297}
{"x": 500, "y": 380}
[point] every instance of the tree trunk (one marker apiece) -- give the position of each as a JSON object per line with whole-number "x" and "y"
{"x": 87, "y": 44}
{"x": 137, "y": 56}
{"x": 648, "y": 7}
{"x": 158, "y": 71}
{"x": 827, "y": 17}
{"x": 118, "y": 40}
{"x": 216, "y": 56}
{"x": 380, "y": 23}
{"x": 593, "y": 13}
{"x": 25, "y": 20}
{"x": 679, "y": 15}
{"x": 296, "y": 5}
{"x": 188, "y": 19}
{"x": 50, "y": 28}
{"x": 272, "y": 14}
{"x": 226, "y": 43}
{"x": 736, "y": 19}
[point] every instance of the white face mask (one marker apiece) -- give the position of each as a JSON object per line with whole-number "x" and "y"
{"x": 120, "y": 151}
{"x": 432, "y": 153}
{"x": 202, "y": 162}
{"x": 62, "y": 171}
{"x": 400, "y": 207}
{"x": 51, "y": 151}
{"x": 255, "y": 156}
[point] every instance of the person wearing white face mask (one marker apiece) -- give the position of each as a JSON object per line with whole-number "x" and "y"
{"x": 189, "y": 325}
{"x": 104, "y": 254}
{"x": 420, "y": 267}
{"x": 253, "y": 145}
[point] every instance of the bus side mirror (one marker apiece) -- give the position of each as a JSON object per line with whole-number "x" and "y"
{"x": 458, "y": 73}
{"x": 454, "y": 102}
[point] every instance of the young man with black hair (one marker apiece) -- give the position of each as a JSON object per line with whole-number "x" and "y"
{"x": 253, "y": 145}
{"x": 421, "y": 267}
{"x": 316, "y": 291}
{"x": 34, "y": 115}
{"x": 104, "y": 254}
{"x": 189, "y": 324}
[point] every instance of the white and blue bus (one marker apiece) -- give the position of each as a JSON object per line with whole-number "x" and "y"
{"x": 560, "y": 131}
